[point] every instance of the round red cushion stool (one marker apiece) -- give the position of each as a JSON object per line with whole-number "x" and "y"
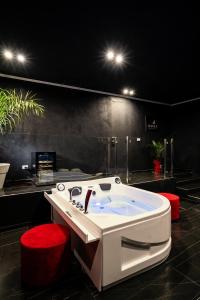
{"x": 45, "y": 254}
{"x": 175, "y": 205}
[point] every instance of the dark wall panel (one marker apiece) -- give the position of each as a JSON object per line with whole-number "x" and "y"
{"x": 186, "y": 131}
{"x": 71, "y": 126}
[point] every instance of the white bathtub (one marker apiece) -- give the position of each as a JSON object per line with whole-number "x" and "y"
{"x": 125, "y": 231}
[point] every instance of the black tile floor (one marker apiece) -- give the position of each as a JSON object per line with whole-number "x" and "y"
{"x": 177, "y": 278}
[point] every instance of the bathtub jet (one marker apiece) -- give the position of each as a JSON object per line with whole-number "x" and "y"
{"x": 116, "y": 230}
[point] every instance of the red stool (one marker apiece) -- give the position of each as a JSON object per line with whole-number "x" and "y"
{"x": 45, "y": 254}
{"x": 175, "y": 205}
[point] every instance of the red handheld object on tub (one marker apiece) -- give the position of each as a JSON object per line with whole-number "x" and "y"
{"x": 87, "y": 199}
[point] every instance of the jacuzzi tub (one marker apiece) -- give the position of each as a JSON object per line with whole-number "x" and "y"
{"x": 125, "y": 231}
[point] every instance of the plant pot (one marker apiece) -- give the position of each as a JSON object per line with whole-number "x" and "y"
{"x": 3, "y": 171}
{"x": 157, "y": 166}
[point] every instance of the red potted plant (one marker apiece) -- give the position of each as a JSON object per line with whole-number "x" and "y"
{"x": 158, "y": 149}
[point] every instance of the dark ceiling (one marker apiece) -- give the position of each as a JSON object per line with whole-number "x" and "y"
{"x": 66, "y": 43}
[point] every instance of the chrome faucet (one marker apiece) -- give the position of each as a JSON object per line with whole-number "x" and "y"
{"x": 73, "y": 189}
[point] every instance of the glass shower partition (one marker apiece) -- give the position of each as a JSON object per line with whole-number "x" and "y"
{"x": 168, "y": 157}
{"x": 77, "y": 158}
{"x": 139, "y": 159}
{"x": 130, "y": 158}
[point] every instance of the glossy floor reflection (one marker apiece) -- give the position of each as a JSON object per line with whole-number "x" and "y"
{"x": 177, "y": 278}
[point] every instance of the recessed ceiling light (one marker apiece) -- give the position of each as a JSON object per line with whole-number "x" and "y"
{"x": 8, "y": 54}
{"x": 21, "y": 58}
{"x": 131, "y": 92}
{"x": 119, "y": 58}
{"x": 125, "y": 91}
{"x": 110, "y": 55}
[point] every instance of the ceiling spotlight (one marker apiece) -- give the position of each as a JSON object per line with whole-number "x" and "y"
{"x": 131, "y": 92}
{"x": 21, "y": 58}
{"x": 8, "y": 54}
{"x": 110, "y": 55}
{"x": 125, "y": 91}
{"x": 115, "y": 57}
{"x": 119, "y": 58}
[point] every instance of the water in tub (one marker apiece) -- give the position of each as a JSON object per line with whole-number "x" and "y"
{"x": 117, "y": 204}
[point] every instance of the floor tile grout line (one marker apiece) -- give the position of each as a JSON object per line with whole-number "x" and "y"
{"x": 194, "y": 229}
{"x": 14, "y": 230}
{"x": 186, "y": 215}
{"x": 194, "y": 215}
{"x": 146, "y": 286}
{"x": 8, "y": 244}
{"x": 191, "y": 208}
{"x": 197, "y": 295}
{"x": 183, "y": 208}
{"x": 44, "y": 291}
{"x": 11, "y": 270}
{"x": 14, "y": 237}
{"x": 38, "y": 293}
{"x": 173, "y": 258}
{"x": 186, "y": 234}
{"x": 187, "y": 277}
{"x": 198, "y": 252}
{"x": 175, "y": 283}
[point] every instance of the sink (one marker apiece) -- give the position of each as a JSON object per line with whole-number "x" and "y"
{"x": 4, "y": 167}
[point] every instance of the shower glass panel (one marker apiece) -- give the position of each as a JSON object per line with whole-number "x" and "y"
{"x": 118, "y": 156}
{"x": 138, "y": 164}
{"x": 140, "y": 160}
{"x": 168, "y": 157}
{"x": 73, "y": 152}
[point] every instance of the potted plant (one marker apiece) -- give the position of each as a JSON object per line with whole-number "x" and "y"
{"x": 158, "y": 150}
{"x": 14, "y": 106}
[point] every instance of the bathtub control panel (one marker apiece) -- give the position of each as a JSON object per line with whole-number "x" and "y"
{"x": 77, "y": 204}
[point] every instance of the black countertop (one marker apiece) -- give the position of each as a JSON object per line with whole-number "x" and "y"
{"x": 32, "y": 185}
{"x": 44, "y": 183}
{"x": 23, "y": 187}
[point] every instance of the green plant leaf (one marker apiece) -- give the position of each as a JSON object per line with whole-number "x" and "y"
{"x": 158, "y": 149}
{"x": 14, "y": 106}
